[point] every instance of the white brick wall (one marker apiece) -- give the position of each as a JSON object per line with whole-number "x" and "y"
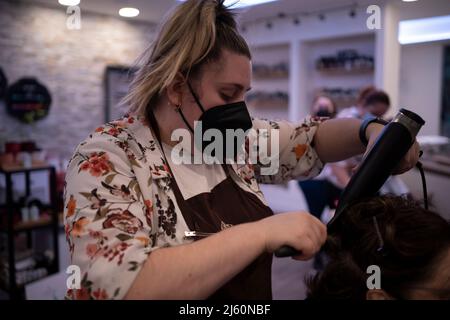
{"x": 34, "y": 41}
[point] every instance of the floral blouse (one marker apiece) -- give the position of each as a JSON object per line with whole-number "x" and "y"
{"x": 119, "y": 205}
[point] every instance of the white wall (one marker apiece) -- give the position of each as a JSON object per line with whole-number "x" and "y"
{"x": 421, "y": 82}
{"x": 421, "y": 66}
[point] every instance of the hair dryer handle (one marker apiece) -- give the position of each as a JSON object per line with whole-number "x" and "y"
{"x": 286, "y": 251}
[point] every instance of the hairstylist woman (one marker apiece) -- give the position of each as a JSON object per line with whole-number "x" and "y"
{"x": 129, "y": 205}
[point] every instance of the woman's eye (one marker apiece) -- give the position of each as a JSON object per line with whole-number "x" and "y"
{"x": 225, "y": 97}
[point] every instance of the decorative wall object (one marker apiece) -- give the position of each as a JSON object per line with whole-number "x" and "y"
{"x": 28, "y": 100}
{"x": 117, "y": 83}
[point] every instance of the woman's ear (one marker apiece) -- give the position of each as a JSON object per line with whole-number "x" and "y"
{"x": 175, "y": 90}
{"x": 377, "y": 294}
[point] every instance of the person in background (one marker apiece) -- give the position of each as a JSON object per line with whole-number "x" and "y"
{"x": 410, "y": 245}
{"x": 371, "y": 103}
{"x": 376, "y": 103}
{"x": 324, "y": 106}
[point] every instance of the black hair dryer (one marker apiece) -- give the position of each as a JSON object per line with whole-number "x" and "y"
{"x": 389, "y": 149}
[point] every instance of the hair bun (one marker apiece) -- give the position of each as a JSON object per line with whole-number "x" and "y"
{"x": 224, "y": 14}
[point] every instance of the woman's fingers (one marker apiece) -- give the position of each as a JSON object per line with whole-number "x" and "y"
{"x": 410, "y": 160}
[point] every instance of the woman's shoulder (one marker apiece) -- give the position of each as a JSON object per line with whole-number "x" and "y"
{"x": 126, "y": 128}
{"x": 122, "y": 132}
{"x": 124, "y": 140}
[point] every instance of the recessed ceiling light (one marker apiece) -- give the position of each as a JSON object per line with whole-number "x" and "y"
{"x": 243, "y": 3}
{"x": 128, "y": 12}
{"x": 409, "y": 0}
{"x": 69, "y": 2}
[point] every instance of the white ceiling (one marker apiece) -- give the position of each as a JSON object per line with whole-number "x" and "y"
{"x": 153, "y": 10}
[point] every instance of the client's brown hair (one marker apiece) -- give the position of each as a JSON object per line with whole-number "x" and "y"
{"x": 413, "y": 240}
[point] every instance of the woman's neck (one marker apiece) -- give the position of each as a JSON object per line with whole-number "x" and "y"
{"x": 167, "y": 121}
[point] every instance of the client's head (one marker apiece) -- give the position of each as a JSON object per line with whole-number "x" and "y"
{"x": 410, "y": 245}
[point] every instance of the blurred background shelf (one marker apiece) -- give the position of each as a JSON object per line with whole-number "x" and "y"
{"x": 29, "y": 244}
{"x": 345, "y": 71}
{"x": 40, "y": 223}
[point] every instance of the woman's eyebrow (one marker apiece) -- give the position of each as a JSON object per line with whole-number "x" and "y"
{"x": 237, "y": 85}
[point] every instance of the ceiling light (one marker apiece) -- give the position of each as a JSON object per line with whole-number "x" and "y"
{"x": 128, "y": 12}
{"x": 69, "y": 2}
{"x": 409, "y": 0}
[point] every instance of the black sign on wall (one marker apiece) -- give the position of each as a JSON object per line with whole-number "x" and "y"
{"x": 28, "y": 100}
{"x": 3, "y": 84}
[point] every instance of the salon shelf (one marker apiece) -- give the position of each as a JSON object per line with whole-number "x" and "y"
{"x": 44, "y": 222}
{"x": 40, "y": 223}
{"x": 19, "y": 169}
{"x": 345, "y": 71}
{"x": 12, "y": 228}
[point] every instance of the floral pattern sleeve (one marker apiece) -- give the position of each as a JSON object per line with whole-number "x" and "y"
{"x": 107, "y": 221}
{"x": 297, "y": 156}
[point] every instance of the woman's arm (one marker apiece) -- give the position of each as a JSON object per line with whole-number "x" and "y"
{"x": 198, "y": 269}
{"x": 338, "y": 139}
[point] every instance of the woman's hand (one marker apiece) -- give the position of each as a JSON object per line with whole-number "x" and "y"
{"x": 300, "y": 230}
{"x": 410, "y": 159}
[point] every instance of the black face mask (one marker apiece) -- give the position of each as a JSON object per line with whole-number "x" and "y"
{"x": 232, "y": 116}
{"x": 324, "y": 113}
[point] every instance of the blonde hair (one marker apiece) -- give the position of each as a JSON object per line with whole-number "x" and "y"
{"x": 193, "y": 34}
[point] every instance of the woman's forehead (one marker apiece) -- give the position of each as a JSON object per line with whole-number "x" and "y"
{"x": 230, "y": 68}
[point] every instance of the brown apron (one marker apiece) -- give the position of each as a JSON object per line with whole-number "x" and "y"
{"x": 228, "y": 204}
